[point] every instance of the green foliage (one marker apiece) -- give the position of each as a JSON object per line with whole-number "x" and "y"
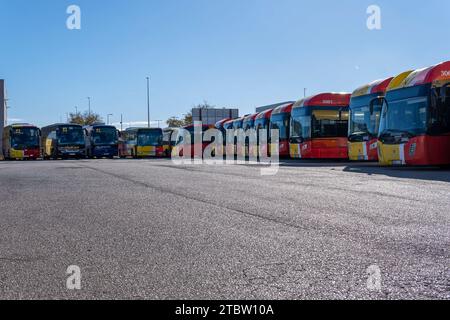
{"x": 85, "y": 118}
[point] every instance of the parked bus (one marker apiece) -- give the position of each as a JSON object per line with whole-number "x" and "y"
{"x": 281, "y": 120}
{"x": 102, "y": 141}
{"x": 262, "y": 122}
{"x": 21, "y": 141}
{"x": 364, "y": 121}
{"x": 220, "y": 125}
{"x": 415, "y": 121}
{"x": 63, "y": 141}
{"x": 179, "y": 137}
{"x": 229, "y": 147}
{"x": 237, "y": 127}
{"x": 168, "y": 133}
{"x": 319, "y": 127}
{"x": 141, "y": 142}
{"x": 247, "y": 124}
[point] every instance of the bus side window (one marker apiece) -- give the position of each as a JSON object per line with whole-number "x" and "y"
{"x": 52, "y": 135}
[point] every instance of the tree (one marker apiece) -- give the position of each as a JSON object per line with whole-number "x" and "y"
{"x": 174, "y": 122}
{"x": 187, "y": 120}
{"x": 85, "y": 118}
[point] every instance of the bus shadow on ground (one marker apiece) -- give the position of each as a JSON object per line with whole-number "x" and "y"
{"x": 418, "y": 173}
{"x": 373, "y": 168}
{"x": 319, "y": 163}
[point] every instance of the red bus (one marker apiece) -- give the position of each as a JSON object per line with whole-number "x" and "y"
{"x": 364, "y": 121}
{"x": 21, "y": 141}
{"x": 220, "y": 125}
{"x": 262, "y": 122}
{"x": 195, "y": 148}
{"x": 230, "y": 147}
{"x": 319, "y": 127}
{"x": 281, "y": 120}
{"x": 247, "y": 124}
{"x": 415, "y": 121}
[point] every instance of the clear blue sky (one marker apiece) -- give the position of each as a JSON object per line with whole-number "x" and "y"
{"x": 242, "y": 53}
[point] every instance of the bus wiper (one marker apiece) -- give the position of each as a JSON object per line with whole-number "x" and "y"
{"x": 359, "y": 136}
{"x": 402, "y": 133}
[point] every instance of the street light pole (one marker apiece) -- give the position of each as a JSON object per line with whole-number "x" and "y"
{"x": 107, "y": 117}
{"x": 89, "y": 106}
{"x": 148, "y": 101}
{"x": 121, "y": 122}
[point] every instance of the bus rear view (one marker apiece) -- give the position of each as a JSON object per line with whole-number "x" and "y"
{"x": 319, "y": 127}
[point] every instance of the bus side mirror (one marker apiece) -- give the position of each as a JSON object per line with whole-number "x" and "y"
{"x": 297, "y": 140}
{"x": 379, "y": 101}
{"x": 444, "y": 92}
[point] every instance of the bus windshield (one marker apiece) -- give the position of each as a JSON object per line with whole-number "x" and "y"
{"x": 149, "y": 138}
{"x": 104, "y": 136}
{"x": 407, "y": 116}
{"x": 71, "y": 135}
{"x": 22, "y": 138}
{"x": 280, "y": 122}
{"x": 363, "y": 122}
{"x": 331, "y": 123}
{"x": 261, "y": 124}
{"x": 248, "y": 124}
{"x": 319, "y": 122}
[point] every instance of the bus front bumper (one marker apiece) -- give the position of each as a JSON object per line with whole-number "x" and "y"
{"x": 25, "y": 154}
{"x": 105, "y": 151}
{"x": 363, "y": 151}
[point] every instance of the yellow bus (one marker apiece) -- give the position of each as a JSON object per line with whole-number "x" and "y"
{"x": 141, "y": 142}
{"x": 63, "y": 141}
{"x": 21, "y": 141}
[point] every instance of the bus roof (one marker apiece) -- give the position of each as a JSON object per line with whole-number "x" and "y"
{"x": 192, "y": 126}
{"x": 143, "y": 128}
{"x": 168, "y": 129}
{"x": 437, "y": 75}
{"x": 378, "y": 86}
{"x": 21, "y": 125}
{"x": 228, "y": 122}
{"x": 219, "y": 124}
{"x": 64, "y": 125}
{"x": 98, "y": 125}
{"x": 251, "y": 117}
{"x": 398, "y": 80}
{"x": 265, "y": 114}
{"x": 285, "y": 108}
{"x": 239, "y": 119}
{"x": 331, "y": 99}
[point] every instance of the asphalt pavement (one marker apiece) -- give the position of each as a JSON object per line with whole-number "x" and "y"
{"x": 149, "y": 229}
